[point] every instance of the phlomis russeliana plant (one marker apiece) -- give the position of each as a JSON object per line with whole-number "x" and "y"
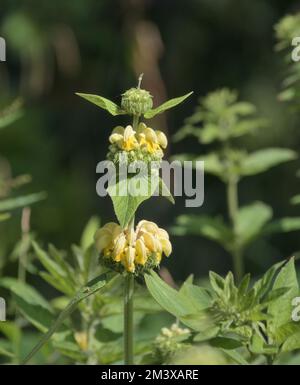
{"x": 123, "y": 247}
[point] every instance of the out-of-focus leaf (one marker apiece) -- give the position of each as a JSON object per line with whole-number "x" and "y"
{"x": 166, "y": 106}
{"x": 211, "y": 228}
{"x": 295, "y": 200}
{"x": 87, "y": 237}
{"x": 58, "y": 276}
{"x": 251, "y": 220}
{"x": 262, "y": 160}
{"x": 11, "y": 114}
{"x": 4, "y": 217}
{"x": 26, "y": 200}
{"x": 282, "y": 225}
{"x": 32, "y": 305}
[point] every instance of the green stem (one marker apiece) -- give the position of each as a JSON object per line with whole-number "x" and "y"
{"x": 128, "y": 319}
{"x": 233, "y": 208}
{"x": 129, "y": 287}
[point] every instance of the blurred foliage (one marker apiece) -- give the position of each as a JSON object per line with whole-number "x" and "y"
{"x": 286, "y": 30}
{"x": 59, "y": 47}
{"x": 221, "y": 118}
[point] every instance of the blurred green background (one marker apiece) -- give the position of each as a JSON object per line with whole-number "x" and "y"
{"x": 100, "y": 46}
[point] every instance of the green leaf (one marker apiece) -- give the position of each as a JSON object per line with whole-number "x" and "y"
{"x": 295, "y": 200}
{"x": 32, "y": 305}
{"x": 166, "y": 106}
{"x": 206, "y": 334}
{"x": 235, "y": 356}
{"x": 243, "y": 287}
{"x": 281, "y": 309}
{"x": 11, "y": 114}
{"x": 262, "y": 160}
{"x": 165, "y": 192}
{"x": 26, "y": 200}
{"x": 250, "y": 221}
{"x": 87, "y": 238}
{"x": 4, "y": 217}
{"x": 292, "y": 343}
{"x": 263, "y": 285}
{"x": 5, "y": 349}
{"x": 126, "y": 199}
{"x": 58, "y": 275}
{"x": 203, "y": 323}
{"x": 168, "y": 298}
{"x": 103, "y": 103}
{"x": 216, "y": 282}
{"x": 198, "y": 296}
{"x": 259, "y": 346}
{"x": 226, "y": 343}
{"x": 91, "y": 288}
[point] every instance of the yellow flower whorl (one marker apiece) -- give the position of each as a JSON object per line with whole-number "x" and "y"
{"x": 144, "y": 140}
{"x": 133, "y": 250}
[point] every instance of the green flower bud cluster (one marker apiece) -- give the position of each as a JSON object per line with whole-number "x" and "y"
{"x": 136, "y": 101}
{"x": 169, "y": 341}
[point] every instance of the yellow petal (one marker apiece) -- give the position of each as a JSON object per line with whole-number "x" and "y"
{"x": 103, "y": 241}
{"x": 141, "y": 252}
{"x": 150, "y": 135}
{"x": 128, "y": 133}
{"x": 162, "y": 139}
{"x": 129, "y": 259}
{"x": 115, "y": 138}
{"x": 118, "y": 130}
{"x": 166, "y": 246}
{"x": 141, "y": 128}
{"x": 161, "y": 233}
{"x": 147, "y": 226}
{"x": 120, "y": 244}
{"x": 149, "y": 241}
{"x": 131, "y": 236}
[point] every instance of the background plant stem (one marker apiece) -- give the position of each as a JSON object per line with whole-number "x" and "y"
{"x": 129, "y": 290}
{"x": 233, "y": 208}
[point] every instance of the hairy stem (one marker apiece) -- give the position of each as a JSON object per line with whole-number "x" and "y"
{"x": 233, "y": 208}
{"x": 128, "y": 319}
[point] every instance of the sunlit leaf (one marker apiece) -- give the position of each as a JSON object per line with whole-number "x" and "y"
{"x": 166, "y": 106}
{"x": 103, "y": 103}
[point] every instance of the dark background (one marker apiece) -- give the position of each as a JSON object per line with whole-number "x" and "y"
{"x": 55, "y": 48}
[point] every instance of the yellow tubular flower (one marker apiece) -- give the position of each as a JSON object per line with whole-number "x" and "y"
{"x": 142, "y": 247}
{"x": 125, "y": 139}
{"x": 145, "y": 138}
{"x": 162, "y": 139}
